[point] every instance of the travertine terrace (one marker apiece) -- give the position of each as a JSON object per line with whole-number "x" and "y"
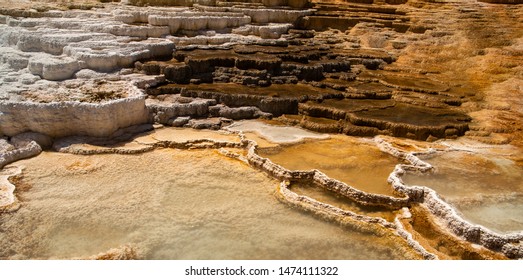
{"x": 395, "y": 123}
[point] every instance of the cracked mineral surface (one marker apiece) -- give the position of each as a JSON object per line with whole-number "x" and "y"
{"x": 261, "y": 129}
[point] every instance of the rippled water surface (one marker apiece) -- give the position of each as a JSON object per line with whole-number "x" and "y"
{"x": 168, "y": 204}
{"x": 334, "y": 199}
{"x": 487, "y": 190}
{"x": 354, "y": 161}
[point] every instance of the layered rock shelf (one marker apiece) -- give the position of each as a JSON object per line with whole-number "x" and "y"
{"x": 138, "y": 76}
{"x": 228, "y": 143}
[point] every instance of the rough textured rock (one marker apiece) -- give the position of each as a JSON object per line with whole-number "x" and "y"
{"x": 53, "y": 68}
{"x": 42, "y": 140}
{"x": 126, "y": 252}
{"x": 503, "y": 1}
{"x": 165, "y": 108}
{"x": 58, "y": 119}
{"x": 415, "y": 69}
{"x": 506, "y": 243}
{"x": 237, "y": 113}
{"x": 353, "y": 63}
{"x": 8, "y": 200}
{"x": 20, "y": 149}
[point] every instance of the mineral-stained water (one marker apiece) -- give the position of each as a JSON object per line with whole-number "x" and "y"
{"x": 354, "y": 161}
{"x": 486, "y": 189}
{"x": 167, "y": 204}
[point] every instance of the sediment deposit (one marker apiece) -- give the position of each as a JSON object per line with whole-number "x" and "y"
{"x": 412, "y": 110}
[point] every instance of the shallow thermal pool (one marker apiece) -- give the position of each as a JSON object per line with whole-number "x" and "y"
{"x": 357, "y": 162}
{"x": 486, "y": 189}
{"x": 168, "y": 204}
{"x": 334, "y": 199}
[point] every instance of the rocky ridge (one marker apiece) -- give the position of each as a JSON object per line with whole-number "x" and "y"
{"x": 346, "y": 90}
{"x": 417, "y": 70}
{"x": 412, "y": 195}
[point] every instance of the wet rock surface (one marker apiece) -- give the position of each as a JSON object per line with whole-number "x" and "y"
{"x": 434, "y": 83}
{"x": 176, "y": 189}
